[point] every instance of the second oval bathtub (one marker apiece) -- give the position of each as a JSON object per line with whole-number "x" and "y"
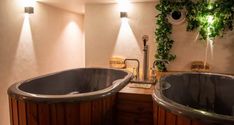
{"x": 74, "y": 97}
{"x": 194, "y": 99}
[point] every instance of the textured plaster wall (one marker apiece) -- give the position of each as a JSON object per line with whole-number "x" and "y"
{"x": 188, "y": 49}
{"x": 105, "y": 37}
{"x": 50, "y": 40}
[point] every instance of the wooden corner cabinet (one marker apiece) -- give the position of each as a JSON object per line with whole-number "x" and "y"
{"x": 134, "y": 106}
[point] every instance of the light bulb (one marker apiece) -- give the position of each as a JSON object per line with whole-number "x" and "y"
{"x": 29, "y": 3}
{"x": 210, "y": 19}
{"x": 124, "y": 5}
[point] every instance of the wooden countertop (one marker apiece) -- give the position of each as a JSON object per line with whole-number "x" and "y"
{"x": 143, "y": 91}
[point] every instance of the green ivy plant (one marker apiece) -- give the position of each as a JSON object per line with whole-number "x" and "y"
{"x": 210, "y": 19}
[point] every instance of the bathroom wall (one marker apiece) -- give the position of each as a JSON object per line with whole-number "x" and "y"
{"x": 188, "y": 49}
{"x": 47, "y": 41}
{"x": 106, "y": 36}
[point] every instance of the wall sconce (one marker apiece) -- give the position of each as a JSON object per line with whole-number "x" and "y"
{"x": 29, "y": 10}
{"x": 123, "y": 15}
{"x": 29, "y": 6}
{"x": 124, "y": 7}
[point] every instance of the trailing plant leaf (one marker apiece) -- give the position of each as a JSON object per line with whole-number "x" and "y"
{"x": 210, "y": 19}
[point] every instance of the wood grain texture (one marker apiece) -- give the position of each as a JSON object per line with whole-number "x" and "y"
{"x": 97, "y": 115}
{"x": 170, "y": 119}
{"x": 15, "y": 114}
{"x": 134, "y": 106}
{"x": 22, "y": 112}
{"x": 32, "y": 114}
{"x": 183, "y": 121}
{"x": 72, "y": 111}
{"x": 155, "y": 113}
{"x": 161, "y": 116}
{"x": 165, "y": 117}
{"x": 44, "y": 114}
{"x": 10, "y": 110}
{"x": 96, "y": 112}
{"x": 54, "y": 118}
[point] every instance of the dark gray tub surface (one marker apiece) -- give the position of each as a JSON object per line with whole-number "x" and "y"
{"x": 201, "y": 95}
{"x": 71, "y": 85}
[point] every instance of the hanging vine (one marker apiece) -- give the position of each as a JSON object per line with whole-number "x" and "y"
{"x": 210, "y": 19}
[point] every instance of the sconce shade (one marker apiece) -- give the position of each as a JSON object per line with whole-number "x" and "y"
{"x": 29, "y": 10}
{"x": 123, "y": 15}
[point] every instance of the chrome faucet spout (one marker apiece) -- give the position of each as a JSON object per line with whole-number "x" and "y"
{"x": 137, "y": 68}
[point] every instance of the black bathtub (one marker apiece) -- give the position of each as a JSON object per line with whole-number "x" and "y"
{"x": 200, "y": 98}
{"x": 83, "y": 96}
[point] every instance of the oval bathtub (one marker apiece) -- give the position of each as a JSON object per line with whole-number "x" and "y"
{"x": 74, "y": 97}
{"x": 194, "y": 99}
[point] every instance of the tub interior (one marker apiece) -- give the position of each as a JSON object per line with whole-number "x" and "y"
{"x": 212, "y": 93}
{"x": 72, "y": 82}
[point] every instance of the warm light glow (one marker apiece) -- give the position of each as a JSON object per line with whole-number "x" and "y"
{"x": 210, "y": 19}
{"x": 25, "y": 59}
{"x": 124, "y": 20}
{"x": 209, "y": 46}
{"x": 29, "y": 3}
{"x": 124, "y": 5}
{"x": 210, "y": 6}
{"x": 71, "y": 43}
{"x": 207, "y": 23}
{"x": 126, "y": 44}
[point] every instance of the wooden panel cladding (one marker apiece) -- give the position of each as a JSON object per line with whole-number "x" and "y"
{"x": 165, "y": 117}
{"x": 96, "y": 112}
{"x": 134, "y": 109}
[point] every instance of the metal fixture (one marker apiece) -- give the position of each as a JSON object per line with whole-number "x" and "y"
{"x": 29, "y": 10}
{"x": 138, "y": 66}
{"x": 145, "y": 79}
{"x": 123, "y": 15}
{"x": 145, "y": 38}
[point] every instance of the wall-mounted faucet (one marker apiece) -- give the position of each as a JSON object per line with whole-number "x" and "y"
{"x": 145, "y": 79}
{"x": 137, "y": 68}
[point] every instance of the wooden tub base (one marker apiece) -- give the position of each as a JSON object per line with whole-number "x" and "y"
{"x": 165, "y": 117}
{"x": 96, "y": 112}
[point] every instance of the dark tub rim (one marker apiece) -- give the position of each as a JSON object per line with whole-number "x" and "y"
{"x": 180, "y": 109}
{"x": 15, "y": 92}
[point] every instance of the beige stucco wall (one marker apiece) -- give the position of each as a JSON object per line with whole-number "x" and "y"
{"x": 105, "y": 38}
{"x": 50, "y": 40}
{"x": 188, "y": 49}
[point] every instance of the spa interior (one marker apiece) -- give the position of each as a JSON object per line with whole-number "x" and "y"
{"x": 116, "y": 62}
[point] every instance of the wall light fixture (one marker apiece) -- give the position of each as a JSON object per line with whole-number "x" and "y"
{"x": 29, "y": 10}
{"x": 123, "y": 15}
{"x": 29, "y": 6}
